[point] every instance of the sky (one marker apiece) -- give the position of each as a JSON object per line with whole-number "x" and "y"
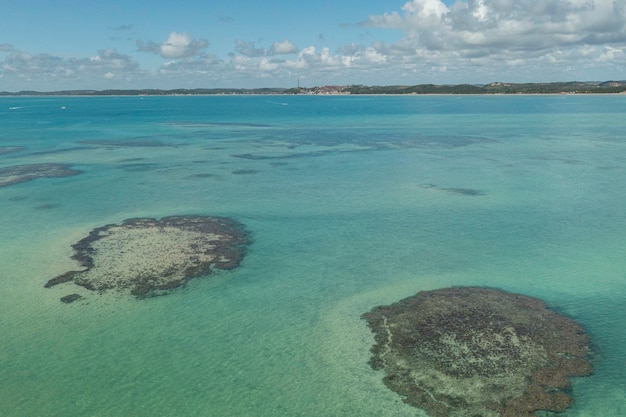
{"x": 50, "y": 45}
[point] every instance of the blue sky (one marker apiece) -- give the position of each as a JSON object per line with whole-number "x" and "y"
{"x": 88, "y": 44}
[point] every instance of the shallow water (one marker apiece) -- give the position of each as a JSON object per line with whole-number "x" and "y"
{"x": 352, "y": 202}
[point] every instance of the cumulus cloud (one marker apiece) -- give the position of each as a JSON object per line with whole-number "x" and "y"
{"x": 478, "y": 40}
{"x": 177, "y": 45}
{"x": 251, "y": 65}
{"x": 205, "y": 64}
{"x": 481, "y": 40}
{"x": 42, "y": 70}
{"x": 285, "y": 47}
{"x": 111, "y": 59}
{"x": 316, "y": 61}
{"x": 268, "y": 65}
{"x": 249, "y": 49}
{"x": 486, "y": 27}
{"x": 468, "y": 41}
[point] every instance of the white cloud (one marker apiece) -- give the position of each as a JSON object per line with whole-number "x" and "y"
{"x": 612, "y": 54}
{"x": 486, "y": 27}
{"x": 41, "y": 71}
{"x": 285, "y": 47}
{"x": 268, "y": 66}
{"x": 479, "y": 40}
{"x": 308, "y": 51}
{"x": 468, "y": 41}
{"x": 425, "y": 9}
{"x": 296, "y": 64}
{"x": 375, "y": 57}
{"x": 194, "y": 65}
{"x": 328, "y": 59}
{"x": 249, "y": 49}
{"x": 177, "y": 45}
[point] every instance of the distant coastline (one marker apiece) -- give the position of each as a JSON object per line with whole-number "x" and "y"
{"x": 573, "y": 87}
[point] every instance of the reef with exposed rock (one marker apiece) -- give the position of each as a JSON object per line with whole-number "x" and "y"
{"x": 146, "y": 256}
{"x": 478, "y": 352}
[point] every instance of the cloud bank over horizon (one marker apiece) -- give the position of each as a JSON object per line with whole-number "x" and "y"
{"x": 475, "y": 41}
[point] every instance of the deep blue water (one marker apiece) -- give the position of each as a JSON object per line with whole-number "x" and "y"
{"x": 352, "y": 202}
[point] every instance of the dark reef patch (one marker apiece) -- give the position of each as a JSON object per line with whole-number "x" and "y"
{"x": 312, "y": 144}
{"x": 458, "y": 191}
{"x": 147, "y": 256}
{"x": 46, "y": 206}
{"x": 246, "y": 171}
{"x": 59, "y": 151}
{"x": 18, "y": 198}
{"x": 283, "y": 156}
{"x": 478, "y": 352}
{"x": 463, "y": 191}
{"x": 129, "y": 143}
{"x": 22, "y": 173}
{"x": 203, "y": 175}
{"x": 139, "y": 167}
{"x": 126, "y": 160}
{"x": 387, "y": 139}
{"x": 216, "y": 124}
{"x": 10, "y": 149}
{"x": 71, "y": 298}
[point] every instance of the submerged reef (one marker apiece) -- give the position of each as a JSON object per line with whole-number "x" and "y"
{"x": 148, "y": 256}
{"x": 10, "y": 149}
{"x": 452, "y": 190}
{"x": 130, "y": 143}
{"x": 478, "y": 352}
{"x": 22, "y": 173}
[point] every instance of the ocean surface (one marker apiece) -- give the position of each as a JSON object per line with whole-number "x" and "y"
{"x": 352, "y": 202}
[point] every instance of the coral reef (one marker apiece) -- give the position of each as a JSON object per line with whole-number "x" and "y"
{"x": 22, "y": 173}
{"x": 10, "y": 149}
{"x": 478, "y": 352}
{"x": 147, "y": 256}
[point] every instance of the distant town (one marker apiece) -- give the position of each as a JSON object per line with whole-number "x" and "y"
{"x": 574, "y": 87}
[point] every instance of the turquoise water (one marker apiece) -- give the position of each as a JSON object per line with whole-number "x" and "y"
{"x": 352, "y": 202}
